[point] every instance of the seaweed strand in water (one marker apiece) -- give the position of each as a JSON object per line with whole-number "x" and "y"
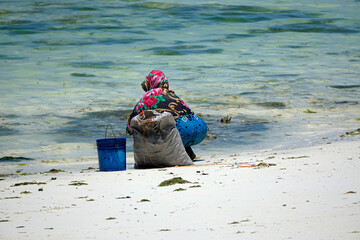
{"x": 11, "y": 158}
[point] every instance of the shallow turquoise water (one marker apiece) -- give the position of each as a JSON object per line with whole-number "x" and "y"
{"x": 69, "y": 68}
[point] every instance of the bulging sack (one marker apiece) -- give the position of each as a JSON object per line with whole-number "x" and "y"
{"x": 157, "y": 142}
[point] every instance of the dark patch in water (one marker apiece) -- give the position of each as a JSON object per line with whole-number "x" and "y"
{"x": 8, "y": 116}
{"x": 238, "y": 131}
{"x": 214, "y": 50}
{"x": 236, "y": 36}
{"x": 120, "y": 114}
{"x": 80, "y": 8}
{"x": 183, "y": 50}
{"x": 3, "y": 12}
{"x": 238, "y": 19}
{"x": 252, "y": 9}
{"x": 11, "y": 43}
{"x": 23, "y": 27}
{"x": 244, "y": 14}
{"x": 61, "y": 43}
{"x": 344, "y": 86}
{"x": 282, "y": 75}
{"x": 82, "y": 75}
{"x": 49, "y": 3}
{"x": 107, "y": 41}
{"x": 5, "y": 57}
{"x": 13, "y": 159}
{"x": 164, "y": 51}
{"x": 272, "y": 104}
{"x": 91, "y": 126}
{"x": 294, "y": 46}
{"x": 15, "y": 22}
{"x": 107, "y": 84}
{"x": 314, "y": 26}
{"x": 156, "y": 5}
{"x": 96, "y": 65}
{"x": 6, "y": 131}
{"x": 347, "y": 102}
{"x": 247, "y": 93}
{"x": 110, "y": 41}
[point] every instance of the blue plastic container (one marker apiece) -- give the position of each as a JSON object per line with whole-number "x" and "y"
{"x": 192, "y": 129}
{"x": 112, "y": 154}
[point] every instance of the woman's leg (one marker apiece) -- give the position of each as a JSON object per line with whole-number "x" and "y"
{"x": 190, "y": 152}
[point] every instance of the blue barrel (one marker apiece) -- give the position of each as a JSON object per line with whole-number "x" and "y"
{"x": 112, "y": 154}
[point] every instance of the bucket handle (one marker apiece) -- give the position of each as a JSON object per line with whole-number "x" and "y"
{"x": 106, "y": 128}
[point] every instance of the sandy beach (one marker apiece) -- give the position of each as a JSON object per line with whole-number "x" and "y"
{"x": 305, "y": 193}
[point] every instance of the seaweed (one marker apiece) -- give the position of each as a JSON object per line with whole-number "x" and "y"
{"x": 297, "y": 157}
{"x": 111, "y": 218}
{"x": 309, "y": 111}
{"x": 6, "y": 175}
{"x": 54, "y": 171}
{"x": 25, "y": 192}
{"x": 173, "y": 181}
{"x": 127, "y": 197}
{"x": 82, "y": 75}
{"x": 164, "y": 230}
{"x": 262, "y": 164}
{"x": 350, "y": 192}
{"x": 22, "y": 165}
{"x": 3, "y": 220}
{"x": 272, "y": 104}
{"x": 144, "y": 200}
{"x": 11, "y": 158}
{"x": 27, "y": 183}
{"x": 195, "y": 186}
{"x": 351, "y": 133}
{"x": 77, "y": 183}
{"x": 179, "y": 190}
{"x": 344, "y": 86}
{"x": 226, "y": 119}
{"x": 235, "y": 222}
{"x": 12, "y": 197}
{"x": 26, "y": 174}
{"x": 355, "y": 132}
{"x": 210, "y": 136}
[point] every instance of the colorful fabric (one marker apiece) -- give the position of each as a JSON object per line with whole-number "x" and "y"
{"x": 158, "y": 97}
{"x": 192, "y": 129}
{"x": 155, "y": 79}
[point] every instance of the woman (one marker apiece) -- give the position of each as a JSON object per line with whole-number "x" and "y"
{"x": 158, "y": 97}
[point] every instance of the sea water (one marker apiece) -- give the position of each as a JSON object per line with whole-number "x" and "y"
{"x": 287, "y": 72}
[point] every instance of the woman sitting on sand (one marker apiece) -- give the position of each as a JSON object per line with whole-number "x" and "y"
{"x": 158, "y": 97}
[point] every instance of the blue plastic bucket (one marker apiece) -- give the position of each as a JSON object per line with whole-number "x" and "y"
{"x": 112, "y": 154}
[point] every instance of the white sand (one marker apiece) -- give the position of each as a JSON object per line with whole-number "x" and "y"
{"x": 311, "y": 193}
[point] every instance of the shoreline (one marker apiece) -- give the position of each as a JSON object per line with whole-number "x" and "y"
{"x": 299, "y": 193}
{"x": 81, "y": 156}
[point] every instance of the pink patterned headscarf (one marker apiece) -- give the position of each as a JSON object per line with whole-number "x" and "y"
{"x": 155, "y": 79}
